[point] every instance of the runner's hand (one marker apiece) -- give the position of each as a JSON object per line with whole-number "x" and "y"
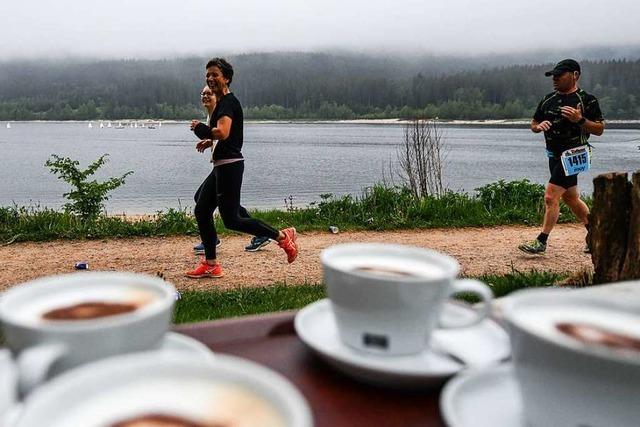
{"x": 572, "y": 114}
{"x": 544, "y": 126}
{"x": 203, "y": 145}
{"x": 193, "y": 124}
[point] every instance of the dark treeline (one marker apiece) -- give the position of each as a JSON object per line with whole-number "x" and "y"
{"x": 303, "y": 86}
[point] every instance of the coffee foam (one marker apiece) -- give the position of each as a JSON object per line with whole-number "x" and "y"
{"x": 392, "y": 266}
{"x": 89, "y": 310}
{"x": 31, "y": 312}
{"x": 201, "y": 401}
{"x": 544, "y": 321}
{"x": 590, "y": 334}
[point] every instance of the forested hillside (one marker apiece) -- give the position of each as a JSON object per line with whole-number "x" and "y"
{"x": 303, "y": 86}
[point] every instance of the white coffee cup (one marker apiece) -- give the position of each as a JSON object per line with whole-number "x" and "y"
{"x": 8, "y": 397}
{"x": 387, "y": 298}
{"x": 44, "y": 348}
{"x": 225, "y": 391}
{"x": 567, "y": 376}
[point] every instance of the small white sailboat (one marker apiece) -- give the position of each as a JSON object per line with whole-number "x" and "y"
{"x": 109, "y": 124}
{"x": 90, "y": 125}
{"x": 159, "y": 124}
{"x": 8, "y": 125}
{"x": 130, "y": 124}
{"x": 101, "y": 125}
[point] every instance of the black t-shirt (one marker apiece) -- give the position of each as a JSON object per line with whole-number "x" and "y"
{"x": 563, "y": 134}
{"x": 231, "y": 147}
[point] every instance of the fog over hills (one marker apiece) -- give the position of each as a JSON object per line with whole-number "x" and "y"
{"x": 315, "y": 85}
{"x": 153, "y": 29}
{"x": 410, "y": 62}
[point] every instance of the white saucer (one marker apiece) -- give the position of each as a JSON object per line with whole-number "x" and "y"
{"x": 487, "y": 398}
{"x": 183, "y": 343}
{"x": 316, "y": 327}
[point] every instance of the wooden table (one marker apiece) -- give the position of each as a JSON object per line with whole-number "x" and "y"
{"x": 335, "y": 399}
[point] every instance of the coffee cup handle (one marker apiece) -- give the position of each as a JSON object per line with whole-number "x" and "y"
{"x": 34, "y": 364}
{"x": 475, "y": 287}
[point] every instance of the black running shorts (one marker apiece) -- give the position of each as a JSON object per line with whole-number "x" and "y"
{"x": 558, "y": 177}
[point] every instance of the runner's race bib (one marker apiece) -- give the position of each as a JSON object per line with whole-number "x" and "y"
{"x": 576, "y": 160}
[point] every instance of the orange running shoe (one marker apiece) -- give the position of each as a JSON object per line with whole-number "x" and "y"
{"x": 290, "y": 244}
{"x": 205, "y": 270}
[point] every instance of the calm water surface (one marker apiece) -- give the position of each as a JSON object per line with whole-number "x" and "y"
{"x": 282, "y": 160}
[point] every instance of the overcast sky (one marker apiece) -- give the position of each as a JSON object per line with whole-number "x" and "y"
{"x": 163, "y": 28}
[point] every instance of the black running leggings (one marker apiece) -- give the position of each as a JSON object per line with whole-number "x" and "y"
{"x": 221, "y": 189}
{"x": 242, "y": 211}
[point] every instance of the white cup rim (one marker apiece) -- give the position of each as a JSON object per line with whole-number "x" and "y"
{"x": 527, "y": 297}
{"x": 269, "y": 385}
{"x": 51, "y": 283}
{"x": 449, "y": 265}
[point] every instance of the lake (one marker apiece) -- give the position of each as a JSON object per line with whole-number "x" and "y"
{"x": 282, "y": 160}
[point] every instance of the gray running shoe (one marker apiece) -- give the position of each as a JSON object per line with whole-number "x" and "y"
{"x": 257, "y": 242}
{"x": 533, "y": 247}
{"x": 199, "y": 248}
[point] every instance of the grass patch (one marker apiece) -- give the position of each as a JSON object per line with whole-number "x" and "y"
{"x": 503, "y": 285}
{"x": 198, "y": 306}
{"x": 378, "y": 208}
{"x": 42, "y": 224}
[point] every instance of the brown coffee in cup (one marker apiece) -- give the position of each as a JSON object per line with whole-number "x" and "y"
{"x": 89, "y": 310}
{"x": 575, "y": 357}
{"x": 161, "y": 420}
{"x": 592, "y": 334}
{"x": 101, "y": 303}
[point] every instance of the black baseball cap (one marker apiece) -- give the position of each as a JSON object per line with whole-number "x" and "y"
{"x": 564, "y": 66}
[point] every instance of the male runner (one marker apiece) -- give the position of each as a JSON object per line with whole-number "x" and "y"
{"x": 567, "y": 117}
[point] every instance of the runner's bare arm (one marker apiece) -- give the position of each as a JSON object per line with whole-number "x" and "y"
{"x": 594, "y": 128}
{"x": 220, "y": 132}
{"x": 222, "y": 129}
{"x": 203, "y": 145}
{"x": 574, "y": 115}
{"x": 540, "y": 127}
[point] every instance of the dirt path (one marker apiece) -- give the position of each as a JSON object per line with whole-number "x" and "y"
{"x": 479, "y": 250}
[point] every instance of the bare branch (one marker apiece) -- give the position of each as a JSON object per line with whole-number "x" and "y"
{"x": 421, "y": 158}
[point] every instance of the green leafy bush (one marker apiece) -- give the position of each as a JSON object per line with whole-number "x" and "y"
{"x": 87, "y": 197}
{"x": 377, "y": 208}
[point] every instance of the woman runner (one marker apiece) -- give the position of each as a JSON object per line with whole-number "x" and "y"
{"x": 223, "y": 186}
{"x": 208, "y": 100}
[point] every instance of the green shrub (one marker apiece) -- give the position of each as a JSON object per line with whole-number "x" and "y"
{"x": 377, "y": 208}
{"x": 87, "y": 197}
{"x": 518, "y": 201}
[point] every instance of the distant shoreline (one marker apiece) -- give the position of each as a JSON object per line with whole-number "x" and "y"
{"x": 493, "y": 123}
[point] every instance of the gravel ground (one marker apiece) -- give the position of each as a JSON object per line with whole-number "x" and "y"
{"x": 479, "y": 251}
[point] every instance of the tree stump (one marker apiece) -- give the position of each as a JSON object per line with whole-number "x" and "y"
{"x": 631, "y": 267}
{"x": 614, "y": 234}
